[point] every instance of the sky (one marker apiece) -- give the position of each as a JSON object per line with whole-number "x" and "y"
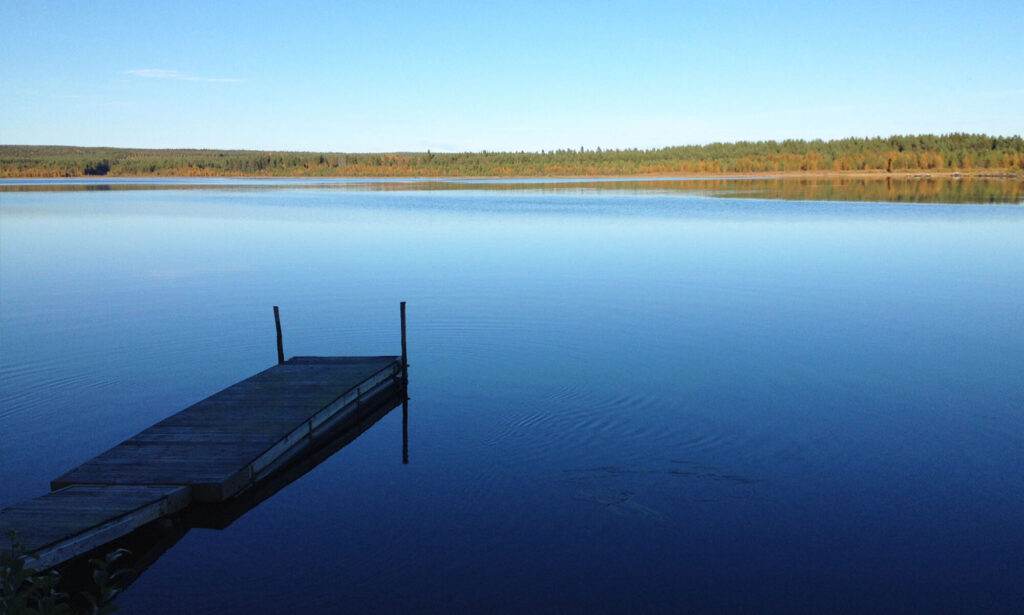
{"x": 502, "y": 76}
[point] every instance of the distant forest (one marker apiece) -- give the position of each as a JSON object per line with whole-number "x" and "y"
{"x": 910, "y": 153}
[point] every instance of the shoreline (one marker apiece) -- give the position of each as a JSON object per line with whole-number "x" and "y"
{"x": 989, "y": 174}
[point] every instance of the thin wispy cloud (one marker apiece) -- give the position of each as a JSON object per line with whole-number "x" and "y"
{"x": 177, "y": 75}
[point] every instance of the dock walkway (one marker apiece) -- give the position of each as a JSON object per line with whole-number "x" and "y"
{"x": 209, "y": 452}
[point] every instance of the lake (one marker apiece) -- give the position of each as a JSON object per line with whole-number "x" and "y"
{"x": 732, "y": 396}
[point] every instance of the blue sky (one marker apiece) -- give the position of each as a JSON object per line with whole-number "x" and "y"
{"x": 396, "y": 76}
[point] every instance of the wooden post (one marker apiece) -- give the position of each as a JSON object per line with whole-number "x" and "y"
{"x": 405, "y": 361}
{"x": 280, "y": 341}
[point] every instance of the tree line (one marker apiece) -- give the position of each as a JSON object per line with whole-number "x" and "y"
{"x": 907, "y": 153}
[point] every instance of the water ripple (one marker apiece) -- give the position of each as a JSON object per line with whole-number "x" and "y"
{"x": 28, "y": 385}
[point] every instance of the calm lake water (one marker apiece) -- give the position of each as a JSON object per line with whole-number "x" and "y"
{"x": 625, "y": 396}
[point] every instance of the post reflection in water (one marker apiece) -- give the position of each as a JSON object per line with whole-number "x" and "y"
{"x": 148, "y": 543}
{"x": 405, "y": 431}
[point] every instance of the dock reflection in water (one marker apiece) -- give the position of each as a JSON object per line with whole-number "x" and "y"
{"x": 148, "y": 543}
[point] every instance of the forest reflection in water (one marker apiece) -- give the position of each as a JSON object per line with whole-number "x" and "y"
{"x": 894, "y": 188}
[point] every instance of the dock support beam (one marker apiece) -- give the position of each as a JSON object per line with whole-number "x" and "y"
{"x": 280, "y": 341}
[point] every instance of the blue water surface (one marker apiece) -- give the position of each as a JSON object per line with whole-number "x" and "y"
{"x": 620, "y": 400}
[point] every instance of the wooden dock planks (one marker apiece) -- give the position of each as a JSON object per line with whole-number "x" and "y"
{"x": 245, "y": 436}
{"x": 224, "y": 443}
{"x": 208, "y": 452}
{"x": 71, "y": 521}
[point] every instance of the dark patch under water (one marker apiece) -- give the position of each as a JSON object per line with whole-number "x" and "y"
{"x": 621, "y": 400}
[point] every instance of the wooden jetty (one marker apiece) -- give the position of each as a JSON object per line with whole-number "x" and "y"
{"x": 208, "y": 453}
{"x": 66, "y": 523}
{"x": 228, "y": 441}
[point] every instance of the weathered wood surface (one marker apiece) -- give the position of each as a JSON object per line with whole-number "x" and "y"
{"x": 308, "y": 455}
{"x": 71, "y": 521}
{"x": 224, "y": 443}
{"x": 208, "y": 452}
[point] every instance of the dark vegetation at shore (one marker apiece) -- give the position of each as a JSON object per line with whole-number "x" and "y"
{"x": 911, "y": 153}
